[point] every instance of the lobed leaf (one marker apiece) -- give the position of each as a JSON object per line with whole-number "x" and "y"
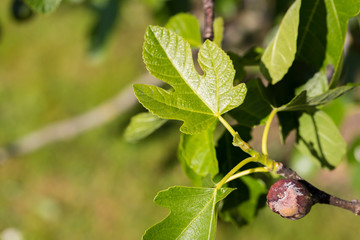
{"x": 43, "y": 6}
{"x": 193, "y": 213}
{"x": 196, "y": 99}
{"x": 142, "y": 125}
{"x": 320, "y": 139}
{"x": 280, "y": 53}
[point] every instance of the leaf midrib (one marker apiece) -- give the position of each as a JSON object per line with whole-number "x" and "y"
{"x": 336, "y": 16}
{"x": 198, "y": 215}
{"x": 308, "y": 25}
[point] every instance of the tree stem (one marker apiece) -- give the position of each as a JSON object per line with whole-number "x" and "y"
{"x": 317, "y": 195}
{"x": 237, "y": 141}
{"x": 208, "y": 6}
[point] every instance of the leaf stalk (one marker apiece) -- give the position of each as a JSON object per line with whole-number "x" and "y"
{"x": 266, "y": 132}
{"x": 270, "y": 165}
{"x": 237, "y": 141}
{"x": 247, "y": 172}
{"x": 234, "y": 170}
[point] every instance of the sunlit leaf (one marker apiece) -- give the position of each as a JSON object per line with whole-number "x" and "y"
{"x": 197, "y": 100}
{"x": 187, "y": 26}
{"x": 338, "y": 14}
{"x": 320, "y": 139}
{"x": 316, "y": 85}
{"x": 193, "y": 213}
{"x": 280, "y": 53}
{"x": 142, "y": 125}
{"x": 337, "y": 109}
{"x": 43, "y": 6}
{"x": 218, "y": 30}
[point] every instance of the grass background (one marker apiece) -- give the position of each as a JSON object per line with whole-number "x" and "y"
{"x": 97, "y": 186}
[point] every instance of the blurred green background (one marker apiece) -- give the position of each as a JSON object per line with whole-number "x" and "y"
{"x": 96, "y": 185}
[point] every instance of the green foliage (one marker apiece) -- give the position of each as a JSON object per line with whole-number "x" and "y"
{"x": 299, "y": 83}
{"x": 280, "y": 53}
{"x": 43, "y": 6}
{"x": 187, "y": 26}
{"x": 304, "y": 88}
{"x": 318, "y": 50}
{"x": 197, "y": 99}
{"x": 254, "y": 109}
{"x": 328, "y": 19}
{"x": 197, "y": 152}
{"x": 141, "y": 126}
{"x": 316, "y": 85}
{"x": 320, "y": 139}
{"x": 218, "y": 30}
{"x": 193, "y": 213}
{"x": 242, "y": 206}
{"x": 304, "y": 103}
{"x": 337, "y": 18}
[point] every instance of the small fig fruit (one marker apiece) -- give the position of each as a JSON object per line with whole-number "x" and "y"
{"x": 289, "y": 198}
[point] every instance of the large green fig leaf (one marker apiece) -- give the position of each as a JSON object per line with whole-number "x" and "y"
{"x": 43, "y": 6}
{"x": 280, "y": 53}
{"x": 320, "y": 139}
{"x": 198, "y": 100}
{"x": 193, "y": 213}
{"x": 198, "y": 152}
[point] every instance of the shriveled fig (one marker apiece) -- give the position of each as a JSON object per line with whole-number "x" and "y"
{"x": 289, "y": 198}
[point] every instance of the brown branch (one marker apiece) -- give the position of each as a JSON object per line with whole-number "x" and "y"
{"x": 319, "y": 196}
{"x": 74, "y": 126}
{"x": 208, "y": 6}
